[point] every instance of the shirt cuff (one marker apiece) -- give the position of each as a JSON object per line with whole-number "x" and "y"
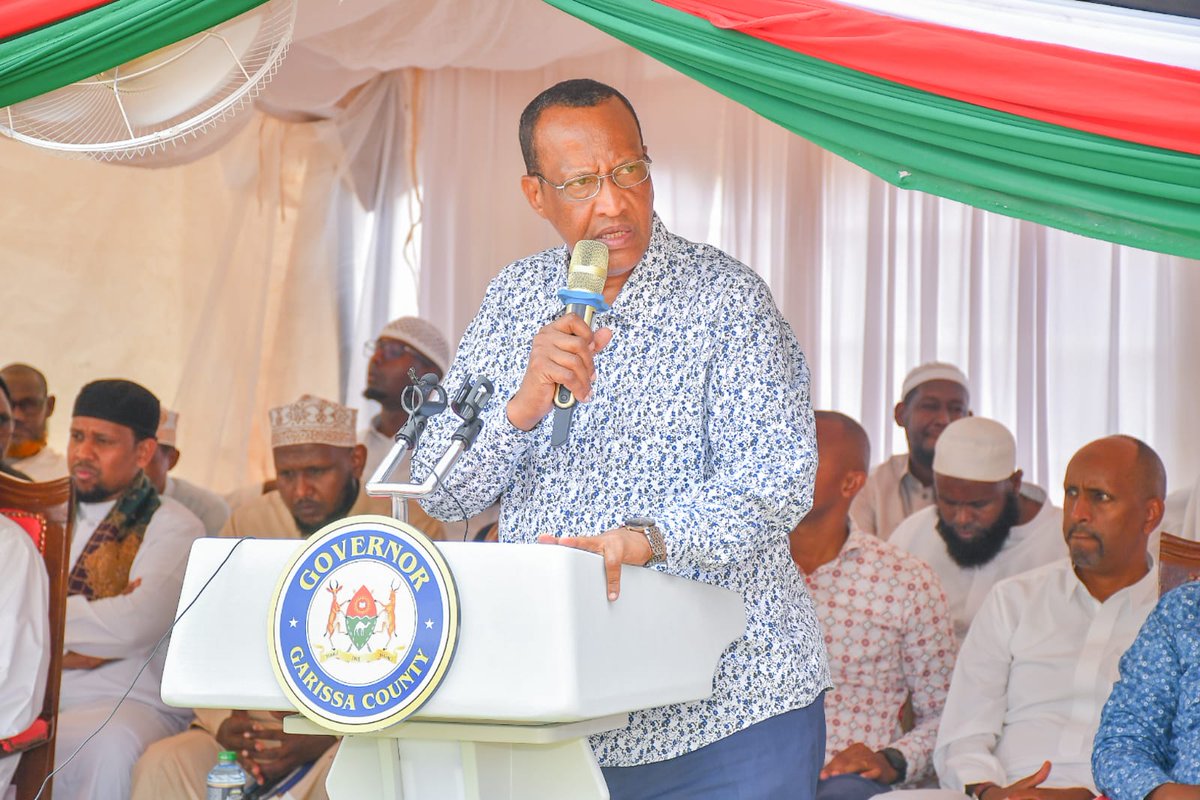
{"x": 1141, "y": 784}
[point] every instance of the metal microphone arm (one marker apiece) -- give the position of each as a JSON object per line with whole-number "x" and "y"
{"x": 429, "y": 399}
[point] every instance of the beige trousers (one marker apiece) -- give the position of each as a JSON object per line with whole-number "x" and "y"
{"x": 176, "y": 769}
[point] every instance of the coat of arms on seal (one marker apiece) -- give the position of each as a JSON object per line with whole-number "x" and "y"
{"x": 363, "y": 624}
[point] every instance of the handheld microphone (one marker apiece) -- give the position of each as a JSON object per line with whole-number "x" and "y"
{"x": 584, "y": 296}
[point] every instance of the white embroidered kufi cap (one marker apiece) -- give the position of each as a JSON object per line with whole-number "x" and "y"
{"x": 421, "y": 335}
{"x": 933, "y": 371}
{"x": 313, "y": 420}
{"x": 975, "y": 449}
{"x": 168, "y": 424}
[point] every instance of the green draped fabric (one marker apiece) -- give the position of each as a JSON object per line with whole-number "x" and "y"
{"x": 90, "y": 43}
{"x": 1096, "y": 186}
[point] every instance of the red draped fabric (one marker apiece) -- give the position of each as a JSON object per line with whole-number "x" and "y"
{"x": 1136, "y": 101}
{"x": 22, "y": 16}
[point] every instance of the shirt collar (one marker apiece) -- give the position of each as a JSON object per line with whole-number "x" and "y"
{"x": 1144, "y": 592}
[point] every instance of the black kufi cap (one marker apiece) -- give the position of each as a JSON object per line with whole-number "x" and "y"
{"x": 123, "y": 402}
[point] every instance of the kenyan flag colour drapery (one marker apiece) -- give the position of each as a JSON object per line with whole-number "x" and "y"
{"x": 1102, "y": 145}
{"x": 48, "y": 44}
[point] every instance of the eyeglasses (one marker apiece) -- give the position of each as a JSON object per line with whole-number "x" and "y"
{"x": 389, "y": 349}
{"x": 585, "y": 187}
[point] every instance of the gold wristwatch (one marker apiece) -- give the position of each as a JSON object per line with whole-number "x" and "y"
{"x": 649, "y": 528}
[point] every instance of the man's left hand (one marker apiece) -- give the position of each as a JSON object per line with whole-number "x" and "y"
{"x": 858, "y": 759}
{"x": 618, "y": 546}
{"x": 73, "y": 660}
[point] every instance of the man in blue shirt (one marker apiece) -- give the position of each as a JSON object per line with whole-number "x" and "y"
{"x": 692, "y": 451}
{"x": 1148, "y": 745}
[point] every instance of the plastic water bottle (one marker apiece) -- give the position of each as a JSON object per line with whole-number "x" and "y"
{"x": 227, "y": 778}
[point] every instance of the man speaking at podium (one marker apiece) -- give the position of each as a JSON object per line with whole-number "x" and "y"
{"x": 692, "y": 450}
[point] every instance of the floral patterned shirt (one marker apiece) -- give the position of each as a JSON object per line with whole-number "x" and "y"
{"x": 700, "y": 419}
{"x": 1150, "y": 730}
{"x": 888, "y": 632}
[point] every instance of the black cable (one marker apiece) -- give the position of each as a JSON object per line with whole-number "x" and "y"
{"x": 466, "y": 522}
{"x": 145, "y": 664}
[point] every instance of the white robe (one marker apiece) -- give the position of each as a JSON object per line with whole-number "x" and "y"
{"x": 210, "y": 507}
{"x": 25, "y": 634}
{"x": 44, "y": 465}
{"x": 1031, "y": 545}
{"x": 124, "y": 628}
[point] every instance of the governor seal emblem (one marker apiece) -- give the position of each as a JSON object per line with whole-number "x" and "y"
{"x": 363, "y": 624}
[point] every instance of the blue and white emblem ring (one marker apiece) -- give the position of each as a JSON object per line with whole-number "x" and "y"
{"x": 364, "y": 624}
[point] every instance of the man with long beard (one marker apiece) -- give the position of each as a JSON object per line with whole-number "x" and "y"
{"x": 983, "y": 526}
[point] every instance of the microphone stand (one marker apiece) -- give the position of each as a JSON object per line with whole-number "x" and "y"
{"x": 423, "y": 399}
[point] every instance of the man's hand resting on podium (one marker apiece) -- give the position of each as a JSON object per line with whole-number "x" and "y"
{"x": 264, "y": 750}
{"x": 618, "y": 546}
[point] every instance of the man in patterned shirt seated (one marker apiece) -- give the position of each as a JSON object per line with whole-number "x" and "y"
{"x": 1148, "y": 745}
{"x": 887, "y": 630}
{"x": 692, "y": 452}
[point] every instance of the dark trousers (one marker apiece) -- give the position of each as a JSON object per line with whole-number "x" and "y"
{"x": 776, "y": 759}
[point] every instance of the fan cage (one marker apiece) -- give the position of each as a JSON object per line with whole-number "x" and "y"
{"x": 89, "y": 118}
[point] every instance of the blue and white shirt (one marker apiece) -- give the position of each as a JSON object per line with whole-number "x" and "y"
{"x": 700, "y": 419}
{"x": 1150, "y": 731}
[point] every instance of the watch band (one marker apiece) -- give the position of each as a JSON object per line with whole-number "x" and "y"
{"x": 648, "y": 528}
{"x": 897, "y": 761}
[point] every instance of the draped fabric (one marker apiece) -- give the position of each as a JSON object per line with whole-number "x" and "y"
{"x": 1123, "y": 98}
{"x": 1074, "y": 180}
{"x": 22, "y": 16}
{"x": 42, "y": 59}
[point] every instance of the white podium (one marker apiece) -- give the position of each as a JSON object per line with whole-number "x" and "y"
{"x": 543, "y": 661}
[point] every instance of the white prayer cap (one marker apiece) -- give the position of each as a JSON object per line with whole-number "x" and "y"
{"x": 933, "y": 371}
{"x": 313, "y": 420}
{"x": 168, "y": 424}
{"x": 421, "y": 335}
{"x": 975, "y": 449}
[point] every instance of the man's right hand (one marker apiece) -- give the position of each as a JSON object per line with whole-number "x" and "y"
{"x": 1030, "y": 788}
{"x": 562, "y": 353}
{"x": 237, "y": 734}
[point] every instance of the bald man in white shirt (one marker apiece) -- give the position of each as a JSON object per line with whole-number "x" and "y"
{"x": 1042, "y": 655}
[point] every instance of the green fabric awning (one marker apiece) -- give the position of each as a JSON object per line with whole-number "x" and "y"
{"x": 1093, "y": 185}
{"x": 87, "y": 44}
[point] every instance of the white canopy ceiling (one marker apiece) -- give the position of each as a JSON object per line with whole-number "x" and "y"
{"x": 339, "y": 44}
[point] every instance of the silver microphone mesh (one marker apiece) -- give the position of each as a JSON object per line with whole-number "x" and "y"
{"x": 589, "y": 267}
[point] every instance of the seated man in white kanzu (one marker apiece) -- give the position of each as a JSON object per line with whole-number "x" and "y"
{"x": 24, "y": 631}
{"x": 210, "y": 507}
{"x": 403, "y": 344}
{"x": 320, "y": 479}
{"x": 933, "y": 396}
{"x": 129, "y": 549}
{"x": 1042, "y": 655}
{"x": 985, "y": 526}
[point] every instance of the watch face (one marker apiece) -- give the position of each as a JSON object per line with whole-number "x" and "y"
{"x": 639, "y": 522}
